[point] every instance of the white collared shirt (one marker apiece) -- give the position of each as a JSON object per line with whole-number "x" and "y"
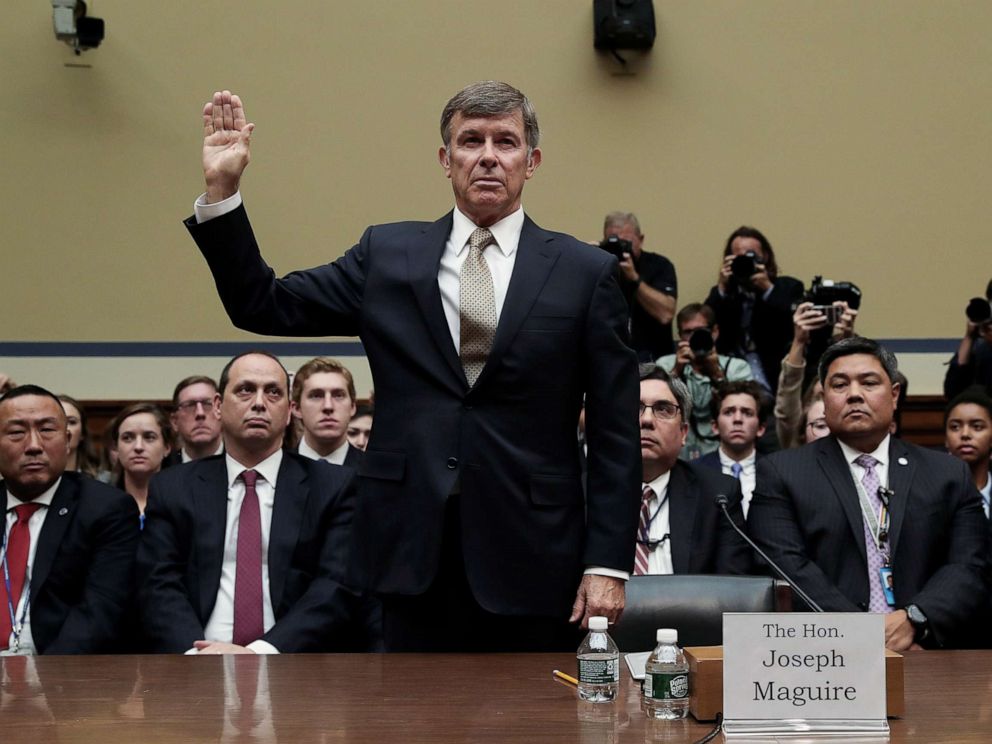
{"x": 335, "y": 458}
{"x": 186, "y": 458}
{"x": 659, "y": 559}
{"x": 881, "y": 454}
{"x": 220, "y": 626}
{"x": 26, "y": 646}
{"x": 986, "y": 493}
{"x": 747, "y": 474}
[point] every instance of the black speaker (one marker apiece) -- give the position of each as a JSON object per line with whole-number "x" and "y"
{"x": 623, "y": 24}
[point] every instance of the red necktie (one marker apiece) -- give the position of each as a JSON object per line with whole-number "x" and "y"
{"x": 248, "y": 617}
{"x": 641, "y": 553}
{"x": 16, "y": 557}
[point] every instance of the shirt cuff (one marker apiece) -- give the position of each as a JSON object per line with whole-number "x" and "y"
{"x": 204, "y": 211}
{"x": 262, "y": 647}
{"x": 611, "y": 572}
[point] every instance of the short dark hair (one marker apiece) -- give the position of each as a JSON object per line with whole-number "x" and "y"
{"x": 225, "y": 375}
{"x": 22, "y": 390}
{"x": 189, "y": 382}
{"x": 858, "y": 345}
{"x": 316, "y": 365}
{"x": 975, "y": 394}
{"x": 364, "y": 411}
{"x": 693, "y": 309}
{"x": 771, "y": 267}
{"x": 679, "y": 389}
{"x": 740, "y": 387}
{"x": 488, "y": 99}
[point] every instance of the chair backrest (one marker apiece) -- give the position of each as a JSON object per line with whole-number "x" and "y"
{"x": 693, "y": 605}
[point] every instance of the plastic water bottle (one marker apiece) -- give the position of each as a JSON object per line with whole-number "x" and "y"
{"x": 666, "y": 678}
{"x": 599, "y": 664}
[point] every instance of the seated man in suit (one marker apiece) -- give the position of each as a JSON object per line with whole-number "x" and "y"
{"x": 681, "y": 529}
{"x": 323, "y": 403}
{"x": 73, "y": 536}
{"x": 847, "y": 515}
{"x": 739, "y": 411}
{"x": 196, "y": 420}
{"x": 244, "y": 552}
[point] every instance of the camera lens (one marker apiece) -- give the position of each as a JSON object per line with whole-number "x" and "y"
{"x": 978, "y": 310}
{"x": 701, "y": 342}
{"x": 743, "y": 267}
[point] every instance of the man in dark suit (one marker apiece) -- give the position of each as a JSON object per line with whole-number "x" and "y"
{"x": 482, "y": 331}
{"x": 323, "y": 402}
{"x": 849, "y": 514}
{"x": 681, "y": 530}
{"x": 196, "y": 420}
{"x": 246, "y": 551}
{"x": 73, "y": 536}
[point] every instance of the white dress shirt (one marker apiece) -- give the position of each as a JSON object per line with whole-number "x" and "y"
{"x": 747, "y": 474}
{"x": 26, "y": 646}
{"x": 881, "y": 454}
{"x": 335, "y": 458}
{"x": 986, "y": 492}
{"x": 659, "y": 559}
{"x": 220, "y": 626}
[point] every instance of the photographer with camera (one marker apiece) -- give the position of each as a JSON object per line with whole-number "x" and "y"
{"x": 972, "y": 364}
{"x": 754, "y": 305}
{"x": 697, "y": 363}
{"x": 648, "y": 282}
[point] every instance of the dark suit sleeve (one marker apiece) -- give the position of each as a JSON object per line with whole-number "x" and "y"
{"x": 613, "y": 464}
{"x": 169, "y": 621}
{"x": 733, "y": 554}
{"x": 93, "y": 625}
{"x": 773, "y": 524}
{"x": 316, "y": 302}
{"x": 323, "y": 617}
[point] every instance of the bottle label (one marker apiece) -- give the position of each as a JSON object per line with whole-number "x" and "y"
{"x": 666, "y": 686}
{"x": 599, "y": 671}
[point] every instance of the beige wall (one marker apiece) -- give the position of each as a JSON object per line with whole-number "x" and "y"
{"x": 854, "y": 133}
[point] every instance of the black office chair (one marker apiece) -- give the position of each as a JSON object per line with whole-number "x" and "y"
{"x": 693, "y": 605}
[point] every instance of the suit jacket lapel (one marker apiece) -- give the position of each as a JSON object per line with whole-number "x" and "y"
{"x": 291, "y": 496}
{"x": 838, "y": 474}
{"x": 423, "y": 260}
{"x": 53, "y": 530}
{"x": 210, "y": 513}
{"x": 536, "y": 254}
{"x": 900, "y": 483}
{"x": 681, "y": 517}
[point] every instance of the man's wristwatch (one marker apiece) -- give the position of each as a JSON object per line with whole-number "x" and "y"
{"x": 919, "y": 622}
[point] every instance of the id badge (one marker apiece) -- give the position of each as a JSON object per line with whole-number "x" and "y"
{"x": 885, "y": 574}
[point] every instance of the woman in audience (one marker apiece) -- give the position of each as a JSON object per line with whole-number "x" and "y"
{"x": 142, "y": 437}
{"x": 813, "y": 422}
{"x": 360, "y": 427}
{"x": 82, "y": 453}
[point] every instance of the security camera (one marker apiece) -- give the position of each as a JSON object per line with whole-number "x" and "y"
{"x": 74, "y": 27}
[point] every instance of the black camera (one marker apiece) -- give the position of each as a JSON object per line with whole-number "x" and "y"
{"x": 979, "y": 310}
{"x": 701, "y": 342}
{"x": 743, "y": 267}
{"x": 823, "y": 292}
{"x": 617, "y": 246}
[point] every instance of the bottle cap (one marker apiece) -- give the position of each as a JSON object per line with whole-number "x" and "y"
{"x": 667, "y": 635}
{"x": 598, "y": 623}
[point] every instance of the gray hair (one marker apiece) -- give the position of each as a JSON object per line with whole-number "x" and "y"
{"x": 858, "y": 345}
{"x": 679, "y": 389}
{"x": 488, "y": 99}
{"x": 619, "y": 219}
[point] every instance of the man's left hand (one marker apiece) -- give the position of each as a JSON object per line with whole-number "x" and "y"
{"x": 598, "y": 595}
{"x": 627, "y": 268}
{"x": 899, "y": 632}
{"x": 217, "y": 647}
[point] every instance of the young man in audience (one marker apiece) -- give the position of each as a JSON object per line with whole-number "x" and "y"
{"x": 69, "y": 540}
{"x": 739, "y": 410}
{"x": 850, "y": 512}
{"x": 195, "y": 420}
{"x": 324, "y": 403}
{"x": 968, "y": 432}
{"x": 697, "y": 363}
{"x": 245, "y": 552}
{"x": 681, "y": 529}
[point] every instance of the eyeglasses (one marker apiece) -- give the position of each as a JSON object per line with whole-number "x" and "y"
{"x": 189, "y": 406}
{"x": 663, "y": 409}
{"x": 818, "y": 425}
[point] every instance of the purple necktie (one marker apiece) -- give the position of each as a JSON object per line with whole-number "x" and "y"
{"x": 876, "y": 600}
{"x": 736, "y": 469}
{"x": 248, "y": 617}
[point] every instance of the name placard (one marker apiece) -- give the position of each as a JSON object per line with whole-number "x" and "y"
{"x": 826, "y": 667}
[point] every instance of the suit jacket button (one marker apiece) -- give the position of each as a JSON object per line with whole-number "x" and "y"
{"x": 452, "y": 463}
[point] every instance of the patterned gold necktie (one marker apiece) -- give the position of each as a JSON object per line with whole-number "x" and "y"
{"x": 476, "y": 306}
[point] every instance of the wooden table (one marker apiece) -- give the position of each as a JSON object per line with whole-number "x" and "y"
{"x": 398, "y": 698}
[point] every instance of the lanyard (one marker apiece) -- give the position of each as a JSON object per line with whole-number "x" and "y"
{"x": 646, "y": 530}
{"x": 878, "y": 524}
{"x": 15, "y": 626}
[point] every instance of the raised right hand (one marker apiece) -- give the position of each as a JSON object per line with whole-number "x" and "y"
{"x": 226, "y": 141}
{"x": 804, "y": 320}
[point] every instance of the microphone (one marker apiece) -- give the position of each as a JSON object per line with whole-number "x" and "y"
{"x": 722, "y": 501}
